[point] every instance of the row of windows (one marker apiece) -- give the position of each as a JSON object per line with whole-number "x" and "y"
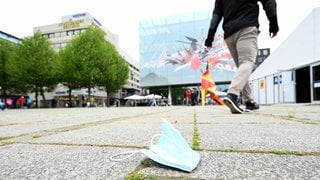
{"x": 133, "y": 67}
{"x": 63, "y": 34}
{"x": 59, "y": 45}
{"x": 264, "y": 52}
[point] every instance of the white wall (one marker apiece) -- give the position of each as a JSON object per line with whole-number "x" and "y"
{"x": 275, "y": 88}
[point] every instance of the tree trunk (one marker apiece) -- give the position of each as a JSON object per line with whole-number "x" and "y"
{"x": 36, "y": 96}
{"x": 69, "y": 94}
{"x": 43, "y": 97}
{"x": 89, "y": 96}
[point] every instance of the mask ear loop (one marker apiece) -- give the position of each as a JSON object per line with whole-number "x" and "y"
{"x": 128, "y": 154}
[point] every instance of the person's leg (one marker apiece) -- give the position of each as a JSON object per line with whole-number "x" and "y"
{"x": 246, "y": 51}
{"x": 243, "y": 48}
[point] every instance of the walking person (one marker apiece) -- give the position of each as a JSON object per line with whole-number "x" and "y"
{"x": 9, "y": 102}
{"x": 29, "y": 102}
{"x": 241, "y": 29}
{"x": 188, "y": 97}
{"x": 2, "y": 104}
{"x": 154, "y": 102}
{"x": 21, "y": 102}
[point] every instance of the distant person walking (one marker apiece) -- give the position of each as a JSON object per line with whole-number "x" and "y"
{"x": 154, "y": 102}
{"x": 9, "y": 102}
{"x": 21, "y": 102}
{"x": 29, "y": 102}
{"x": 2, "y": 104}
{"x": 187, "y": 96}
{"x": 240, "y": 25}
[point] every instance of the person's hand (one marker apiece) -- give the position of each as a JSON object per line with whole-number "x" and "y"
{"x": 208, "y": 42}
{"x": 273, "y": 27}
{"x": 272, "y": 35}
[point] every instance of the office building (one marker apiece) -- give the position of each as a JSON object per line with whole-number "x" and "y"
{"x": 60, "y": 34}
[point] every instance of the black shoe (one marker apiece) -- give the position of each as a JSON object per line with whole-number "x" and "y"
{"x": 231, "y": 101}
{"x": 252, "y": 106}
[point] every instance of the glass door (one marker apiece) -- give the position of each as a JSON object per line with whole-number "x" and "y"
{"x": 316, "y": 82}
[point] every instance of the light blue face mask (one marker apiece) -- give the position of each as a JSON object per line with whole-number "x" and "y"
{"x": 170, "y": 150}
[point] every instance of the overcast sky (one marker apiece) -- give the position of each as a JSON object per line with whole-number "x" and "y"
{"x": 18, "y": 17}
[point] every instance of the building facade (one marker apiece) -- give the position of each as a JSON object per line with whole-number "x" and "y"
{"x": 9, "y": 37}
{"x": 6, "y": 94}
{"x": 60, "y": 34}
{"x": 291, "y": 74}
{"x": 172, "y": 52}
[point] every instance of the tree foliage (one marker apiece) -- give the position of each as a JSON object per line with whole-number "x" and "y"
{"x": 6, "y": 52}
{"x": 31, "y": 66}
{"x": 90, "y": 61}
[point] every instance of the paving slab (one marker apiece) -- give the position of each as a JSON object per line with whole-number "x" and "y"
{"x": 216, "y": 165}
{"x": 278, "y": 142}
{"x": 28, "y": 161}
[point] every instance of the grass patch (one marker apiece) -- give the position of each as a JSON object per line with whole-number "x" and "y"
{"x": 291, "y": 117}
{"x": 135, "y": 175}
{"x": 196, "y": 136}
{"x": 36, "y": 136}
{"x": 5, "y": 143}
{"x": 7, "y": 137}
{"x": 276, "y": 152}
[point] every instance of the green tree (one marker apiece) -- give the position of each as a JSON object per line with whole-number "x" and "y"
{"x": 31, "y": 67}
{"x": 6, "y": 53}
{"x": 90, "y": 61}
{"x": 115, "y": 78}
{"x": 66, "y": 69}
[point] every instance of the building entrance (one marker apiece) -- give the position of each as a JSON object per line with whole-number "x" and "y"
{"x": 303, "y": 91}
{"x": 316, "y": 82}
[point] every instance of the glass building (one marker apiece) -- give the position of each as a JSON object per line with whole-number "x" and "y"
{"x": 9, "y": 37}
{"x": 172, "y": 51}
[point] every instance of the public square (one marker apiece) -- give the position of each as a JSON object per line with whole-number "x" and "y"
{"x": 278, "y": 142}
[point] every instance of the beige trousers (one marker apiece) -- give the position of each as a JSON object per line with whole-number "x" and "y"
{"x": 243, "y": 48}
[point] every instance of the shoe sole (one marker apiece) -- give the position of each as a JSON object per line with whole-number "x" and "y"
{"x": 233, "y": 108}
{"x": 248, "y": 110}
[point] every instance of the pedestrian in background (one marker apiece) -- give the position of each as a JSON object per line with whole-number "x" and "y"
{"x": 187, "y": 95}
{"x": 2, "y": 104}
{"x": 9, "y": 102}
{"x": 241, "y": 29}
{"x": 21, "y": 102}
{"x": 29, "y": 102}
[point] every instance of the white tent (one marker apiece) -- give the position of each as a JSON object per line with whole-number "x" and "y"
{"x": 302, "y": 47}
{"x": 134, "y": 97}
{"x": 289, "y": 74}
{"x": 151, "y": 96}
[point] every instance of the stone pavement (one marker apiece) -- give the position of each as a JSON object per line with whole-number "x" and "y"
{"x": 278, "y": 142}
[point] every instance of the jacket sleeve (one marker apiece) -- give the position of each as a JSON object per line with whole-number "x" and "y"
{"x": 215, "y": 20}
{"x": 270, "y": 7}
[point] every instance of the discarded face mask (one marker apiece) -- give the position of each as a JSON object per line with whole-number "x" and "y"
{"x": 171, "y": 150}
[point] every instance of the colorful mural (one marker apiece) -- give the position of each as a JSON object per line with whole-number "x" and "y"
{"x": 182, "y": 58}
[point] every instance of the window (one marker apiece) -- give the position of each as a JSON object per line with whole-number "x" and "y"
{"x": 51, "y": 35}
{"x": 57, "y": 34}
{"x": 266, "y": 52}
{"x": 70, "y": 33}
{"x": 63, "y": 34}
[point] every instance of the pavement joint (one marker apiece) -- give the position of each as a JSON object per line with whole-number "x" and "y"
{"x": 274, "y": 143}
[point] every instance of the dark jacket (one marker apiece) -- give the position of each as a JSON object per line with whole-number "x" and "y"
{"x": 239, "y": 14}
